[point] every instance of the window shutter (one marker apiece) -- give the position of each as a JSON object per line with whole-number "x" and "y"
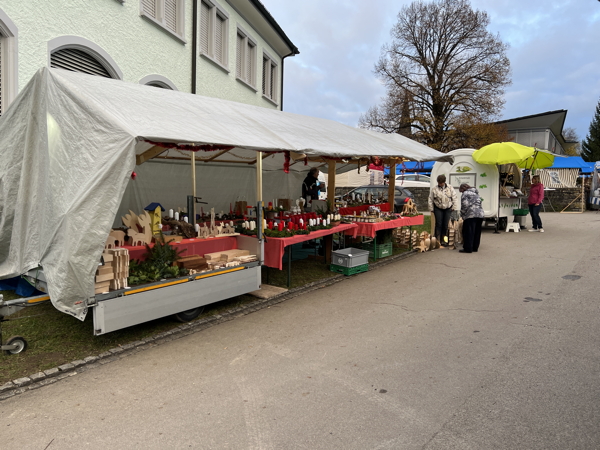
{"x": 204, "y": 27}
{"x": 250, "y": 63}
{"x": 264, "y": 77}
{"x": 220, "y": 40}
{"x": 273, "y": 74}
{"x": 77, "y": 61}
{"x": 149, "y": 8}
{"x": 239, "y": 55}
{"x": 171, "y": 15}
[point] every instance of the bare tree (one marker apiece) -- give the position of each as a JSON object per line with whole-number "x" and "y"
{"x": 442, "y": 66}
{"x": 573, "y": 147}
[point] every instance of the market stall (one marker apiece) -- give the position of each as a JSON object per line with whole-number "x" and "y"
{"x": 69, "y": 147}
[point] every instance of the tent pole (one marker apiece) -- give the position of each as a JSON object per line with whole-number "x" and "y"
{"x": 392, "y": 187}
{"x": 328, "y": 240}
{"x": 192, "y": 213}
{"x": 259, "y": 165}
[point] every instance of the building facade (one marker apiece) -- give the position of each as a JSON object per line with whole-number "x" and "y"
{"x": 543, "y": 131}
{"x": 230, "y": 49}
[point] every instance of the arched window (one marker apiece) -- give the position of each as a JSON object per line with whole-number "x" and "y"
{"x": 158, "y": 81}
{"x": 80, "y": 55}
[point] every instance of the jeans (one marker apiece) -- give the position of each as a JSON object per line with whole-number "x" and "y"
{"x": 442, "y": 217}
{"x": 535, "y": 216}
{"x": 471, "y": 234}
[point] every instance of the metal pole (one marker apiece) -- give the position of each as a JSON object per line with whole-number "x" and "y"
{"x": 192, "y": 213}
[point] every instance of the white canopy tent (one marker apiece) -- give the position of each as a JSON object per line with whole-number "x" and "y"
{"x": 69, "y": 143}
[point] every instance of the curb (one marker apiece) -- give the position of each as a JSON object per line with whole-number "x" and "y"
{"x": 50, "y": 376}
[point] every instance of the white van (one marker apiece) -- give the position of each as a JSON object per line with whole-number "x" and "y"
{"x": 486, "y": 178}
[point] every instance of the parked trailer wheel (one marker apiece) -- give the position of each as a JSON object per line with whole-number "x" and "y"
{"x": 502, "y": 223}
{"x": 18, "y": 345}
{"x": 190, "y": 314}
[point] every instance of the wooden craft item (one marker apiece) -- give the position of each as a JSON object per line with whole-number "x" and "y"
{"x": 212, "y": 257}
{"x": 228, "y": 255}
{"x": 130, "y": 220}
{"x": 172, "y": 238}
{"x": 156, "y": 220}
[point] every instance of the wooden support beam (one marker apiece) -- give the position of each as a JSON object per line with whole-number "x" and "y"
{"x": 392, "y": 186}
{"x": 149, "y": 154}
{"x": 216, "y": 156}
{"x": 331, "y": 183}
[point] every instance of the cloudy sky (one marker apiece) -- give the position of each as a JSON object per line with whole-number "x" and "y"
{"x": 554, "y": 54}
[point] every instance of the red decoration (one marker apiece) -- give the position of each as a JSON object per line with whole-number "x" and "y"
{"x": 286, "y": 164}
{"x": 133, "y": 175}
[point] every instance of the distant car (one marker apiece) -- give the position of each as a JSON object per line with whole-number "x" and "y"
{"x": 413, "y": 180}
{"x": 379, "y": 192}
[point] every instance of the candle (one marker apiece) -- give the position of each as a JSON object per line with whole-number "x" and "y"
{"x": 329, "y": 221}
{"x": 171, "y": 213}
{"x": 231, "y": 223}
{"x": 301, "y": 221}
{"x": 244, "y": 225}
{"x": 264, "y": 223}
{"x": 252, "y": 225}
{"x": 176, "y": 216}
{"x": 185, "y": 219}
{"x": 280, "y": 226}
{"x": 197, "y": 227}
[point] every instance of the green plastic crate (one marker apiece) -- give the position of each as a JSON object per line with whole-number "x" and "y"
{"x": 383, "y": 250}
{"x": 349, "y": 270}
{"x": 520, "y": 212}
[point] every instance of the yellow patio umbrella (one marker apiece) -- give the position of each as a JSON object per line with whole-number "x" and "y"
{"x": 502, "y": 153}
{"x": 539, "y": 160}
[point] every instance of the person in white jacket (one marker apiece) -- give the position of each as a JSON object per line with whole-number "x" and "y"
{"x": 442, "y": 201}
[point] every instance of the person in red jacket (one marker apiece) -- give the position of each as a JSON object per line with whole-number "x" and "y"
{"x": 536, "y": 197}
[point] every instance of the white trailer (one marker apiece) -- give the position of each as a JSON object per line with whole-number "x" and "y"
{"x": 497, "y": 206}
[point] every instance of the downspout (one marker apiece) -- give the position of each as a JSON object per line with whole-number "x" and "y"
{"x": 194, "y": 43}
{"x": 281, "y": 87}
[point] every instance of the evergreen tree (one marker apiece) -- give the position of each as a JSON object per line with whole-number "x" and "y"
{"x": 590, "y": 147}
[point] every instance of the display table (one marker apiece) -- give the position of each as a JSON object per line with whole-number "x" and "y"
{"x": 275, "y": 247}
{"x": 190, "y": 247}
{"x": 351, "y": 210}
{"x": 370, "y": 229}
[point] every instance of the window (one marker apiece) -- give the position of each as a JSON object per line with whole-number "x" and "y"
{"x": 245, "y": 59}
{"x": 8, "y": 61}
{"x": 166, "y": 13}
{"x": 214, "y": 24}
{"x": 77, "y": 61}
{"x": 77, "y": 54}
{"x": 269, "y": 82}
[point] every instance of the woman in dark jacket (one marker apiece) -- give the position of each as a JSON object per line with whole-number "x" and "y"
{"x": 310, "y": 186}
{"x": 472, "y": 214}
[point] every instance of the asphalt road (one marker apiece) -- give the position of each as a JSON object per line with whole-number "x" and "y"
{"x": 494, "y": 350}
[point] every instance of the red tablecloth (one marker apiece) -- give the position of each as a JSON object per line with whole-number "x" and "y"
{"x": 350, "y": 210}
{"x": 369, "y": 229}
{"x": 190, "y": 246}
{"x": 275, "y": 247}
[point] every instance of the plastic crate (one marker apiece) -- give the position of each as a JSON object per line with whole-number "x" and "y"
{"x": 350, "y": 257}
{"x": 520, "y": 212}
{"x": 349, "y": 270}
{"x": 383, "y": 250}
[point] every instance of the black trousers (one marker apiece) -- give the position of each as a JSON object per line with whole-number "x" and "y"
{"x": 471, "y": 234}
{"x": 442, "y": 217}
